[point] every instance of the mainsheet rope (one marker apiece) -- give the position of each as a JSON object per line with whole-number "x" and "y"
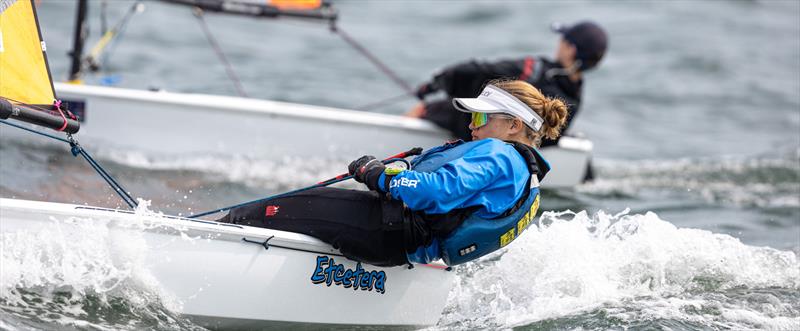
{"x": 331, "y": 181}
{"x": 361, "y": 49}
{"x": 220, "y": 54}
{"x": 326, "y": 183}
{"x": 78, "y": 150}
{"x": 384, "y": 102}
{"x": 372, "y": 58}
{"x": 376, "y": 61}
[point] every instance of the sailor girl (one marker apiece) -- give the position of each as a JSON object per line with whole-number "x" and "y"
{"x": 457, "y": 202}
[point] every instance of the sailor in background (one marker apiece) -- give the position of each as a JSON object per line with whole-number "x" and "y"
{"x": 458, "y": 201}
{"x": 581, "y": 48}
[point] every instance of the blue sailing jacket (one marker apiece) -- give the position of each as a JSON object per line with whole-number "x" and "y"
{"x": 490, "y": 175}
{"x": 489, "y": 179}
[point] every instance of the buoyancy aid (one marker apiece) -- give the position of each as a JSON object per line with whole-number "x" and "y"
{"x": 460, "y": 235}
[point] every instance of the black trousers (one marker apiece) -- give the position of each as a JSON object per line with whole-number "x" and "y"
{"x": 362, "y": 225}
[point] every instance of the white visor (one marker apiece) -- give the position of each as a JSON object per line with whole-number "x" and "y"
{"x": 495, "y": 100}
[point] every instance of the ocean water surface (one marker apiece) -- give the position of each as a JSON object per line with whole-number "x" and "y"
{"x": 693, "y": 221}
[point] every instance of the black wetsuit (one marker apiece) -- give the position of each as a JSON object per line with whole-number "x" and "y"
{"x": 364, "y": 225}
{"x": 467, "y": 79}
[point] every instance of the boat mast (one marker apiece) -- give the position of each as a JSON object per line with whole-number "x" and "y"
{"x": 79, "y": 37}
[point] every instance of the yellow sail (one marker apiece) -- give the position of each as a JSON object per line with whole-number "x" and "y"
{"x": 24, "y": 76}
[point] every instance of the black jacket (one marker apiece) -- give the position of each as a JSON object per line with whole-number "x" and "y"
{"x": 466, "y": 80}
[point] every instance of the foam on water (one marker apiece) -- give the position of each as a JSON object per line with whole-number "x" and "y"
{"x": 259, "y": 172}
{"x": 764, "y": 182}
{"x": 83, "y": 273}
{"x": 633, "y": 268}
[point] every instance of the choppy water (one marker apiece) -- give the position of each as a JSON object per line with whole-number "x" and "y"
{"x": 693, "y": 222}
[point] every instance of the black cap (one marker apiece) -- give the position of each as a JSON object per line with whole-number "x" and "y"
{"x": 590, "y": 41}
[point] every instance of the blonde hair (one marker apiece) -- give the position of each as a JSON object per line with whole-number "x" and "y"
{"x": 552, "y": 110}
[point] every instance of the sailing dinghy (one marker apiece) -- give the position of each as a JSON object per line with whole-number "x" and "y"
{"x": 234, "y": 277}
{"x": 280, "y": 129}
{"x": 222, "y": 275}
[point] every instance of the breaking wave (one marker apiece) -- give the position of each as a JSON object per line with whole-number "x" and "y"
{"x": 80, "y": 274}
{"x": 619, "y": 271}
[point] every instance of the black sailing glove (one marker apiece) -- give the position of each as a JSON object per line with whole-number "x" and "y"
{"x": 424, "y": 90}
{"x": 367, "y": 170}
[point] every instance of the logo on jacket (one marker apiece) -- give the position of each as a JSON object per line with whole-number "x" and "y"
{"x": 271, "y": 210}
{"x": 412, "y": 183}
{"x": 330, "y": 273}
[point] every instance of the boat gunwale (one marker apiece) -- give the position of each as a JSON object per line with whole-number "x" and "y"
{"x": 206, "y": 229}
{"x": 214, "y": 103}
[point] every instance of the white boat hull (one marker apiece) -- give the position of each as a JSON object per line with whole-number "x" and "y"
{"x": 222, "y": 281}
{"x": 176, "y": 124}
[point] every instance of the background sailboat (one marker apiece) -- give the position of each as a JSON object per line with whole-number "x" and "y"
{"x": 178, "y": 124}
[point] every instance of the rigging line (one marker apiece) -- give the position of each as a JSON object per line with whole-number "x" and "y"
{"x": 77, "y": 149}
{"x": 103, "y": 16}
{"x": 110, "y": 38}
{"x": 218, "y": 50}
{"x": 337, "y": 179}
{"x": 34, "y": 131}
{"x": 384, "y": 102}
{"x": 110, "y": 180}
{"x": 372, "y": 58}
{"x": 272, "y": 197}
